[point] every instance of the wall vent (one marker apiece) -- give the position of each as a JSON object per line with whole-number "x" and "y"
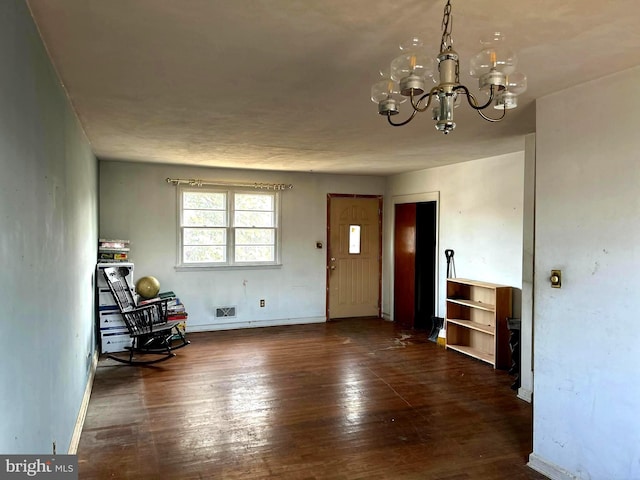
{"x": 225, "y": 312}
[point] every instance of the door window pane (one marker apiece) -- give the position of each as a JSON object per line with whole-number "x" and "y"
{"x": 354, "y": 239}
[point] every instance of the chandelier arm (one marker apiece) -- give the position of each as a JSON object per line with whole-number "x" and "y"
{"x": 472, "y": 99}
{"x": 416, "y": 106}
{"x": 413, "y": 114}
{"x": 489, "y": 119}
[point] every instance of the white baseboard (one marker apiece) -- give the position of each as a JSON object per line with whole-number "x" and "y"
{"x": 554, "y": 472}
{"x": 525, "y": 394}
{"x": 82, "y": 414}
{"x": 227, "y": 325}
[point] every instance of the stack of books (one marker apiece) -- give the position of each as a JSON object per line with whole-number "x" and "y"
{"x": 113, "y": 250}
{"x": 175, "y": 310}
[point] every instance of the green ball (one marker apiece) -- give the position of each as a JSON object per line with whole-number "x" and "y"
{"x": 148, "y": 287}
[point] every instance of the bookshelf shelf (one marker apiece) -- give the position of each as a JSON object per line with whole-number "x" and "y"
{"x": 476, "y": 320}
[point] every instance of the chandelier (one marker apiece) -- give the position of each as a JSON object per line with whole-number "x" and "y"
{"x": 494, "y": 67}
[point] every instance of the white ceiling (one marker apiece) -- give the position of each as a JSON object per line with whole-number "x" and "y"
{"x": 285, "y": 85}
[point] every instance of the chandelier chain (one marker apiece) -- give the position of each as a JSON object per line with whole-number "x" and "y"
{"x": 447, "y": 26}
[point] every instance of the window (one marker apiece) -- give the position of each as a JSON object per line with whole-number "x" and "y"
{"x": 354, "y": 239}
{"x": 228, "y": 227}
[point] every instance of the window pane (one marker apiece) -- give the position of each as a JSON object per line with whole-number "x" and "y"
{"x": 354, "y": 239}
{"x": 204, "y": 200}
{"x": 203, "y": 218}
{"x": 247, "y": 253}
{"x": 205, "y": 236}
{"x": 254, "y": 236}
{"x": 254, "y": 219}
{"x": 208, "y": 254}
{"x": 252, "y": 201}
{"x": 207, "y": 215}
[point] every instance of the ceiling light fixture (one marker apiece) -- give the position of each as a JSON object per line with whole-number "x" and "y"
{"x": 494, "y": 66}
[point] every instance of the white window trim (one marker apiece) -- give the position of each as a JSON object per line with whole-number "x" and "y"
{"x": 230, "y": 264}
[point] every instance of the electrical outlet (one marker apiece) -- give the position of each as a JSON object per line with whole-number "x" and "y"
{"x": 262, "y": 303}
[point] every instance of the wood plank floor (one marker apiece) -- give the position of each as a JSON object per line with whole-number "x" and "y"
{"x": 349, "y": 399}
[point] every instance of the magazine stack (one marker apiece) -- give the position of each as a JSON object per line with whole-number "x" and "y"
{"x": 113, "y": 250}
{"x": 175, "y": 310}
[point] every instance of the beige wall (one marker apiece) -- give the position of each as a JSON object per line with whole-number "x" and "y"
{"x": 480, "y": 218}
{"x": 137, "y": 204}
{"x": 586, "y": 351}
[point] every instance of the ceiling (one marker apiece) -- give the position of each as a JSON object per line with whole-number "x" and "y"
{"x": 285, "y": 85}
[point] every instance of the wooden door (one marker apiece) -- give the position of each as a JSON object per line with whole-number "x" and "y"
{"x": 414, "y": 265}
{"x": 404, "y": 265}
{"x": 354, "y": 256}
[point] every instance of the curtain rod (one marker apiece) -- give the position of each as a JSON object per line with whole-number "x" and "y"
{"x": 201, "y": 183}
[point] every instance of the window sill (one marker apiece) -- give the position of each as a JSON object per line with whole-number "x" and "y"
{"x": 246, "y": 266}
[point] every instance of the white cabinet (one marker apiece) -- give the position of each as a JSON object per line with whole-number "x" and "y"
{"x": 114, "y": 336}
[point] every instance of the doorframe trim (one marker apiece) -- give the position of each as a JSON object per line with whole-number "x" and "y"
{"x": 328, "y": 233}
{"x": 414, "y": 198}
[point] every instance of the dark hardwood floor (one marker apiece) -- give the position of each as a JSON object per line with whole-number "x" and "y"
{"x": 349, "y": 399}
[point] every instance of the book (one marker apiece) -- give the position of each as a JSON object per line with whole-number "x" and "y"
{"x": 149, "y": 300}
{"x": 115, "y": 256}
{"x": 114, "y": 244}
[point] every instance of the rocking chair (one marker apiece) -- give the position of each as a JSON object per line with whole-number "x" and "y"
{"x": 150, "y": 331}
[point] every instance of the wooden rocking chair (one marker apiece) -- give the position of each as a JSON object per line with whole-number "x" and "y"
{"x": 150, "y": 331}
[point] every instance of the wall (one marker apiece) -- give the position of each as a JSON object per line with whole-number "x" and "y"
{"x": 48, "y": 207}
{"x": 480, "y": 218}
{"x": 137, "y": 204}
{"x": 525, "y": 391}
{"x": 587, "y": 380}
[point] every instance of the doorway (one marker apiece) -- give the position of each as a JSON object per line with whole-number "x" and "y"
{"x": 415, "y": 264}
{"x": 354, "y": 255}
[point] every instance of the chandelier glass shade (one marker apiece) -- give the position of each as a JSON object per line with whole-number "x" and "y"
{"x": 411, "y": 76}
